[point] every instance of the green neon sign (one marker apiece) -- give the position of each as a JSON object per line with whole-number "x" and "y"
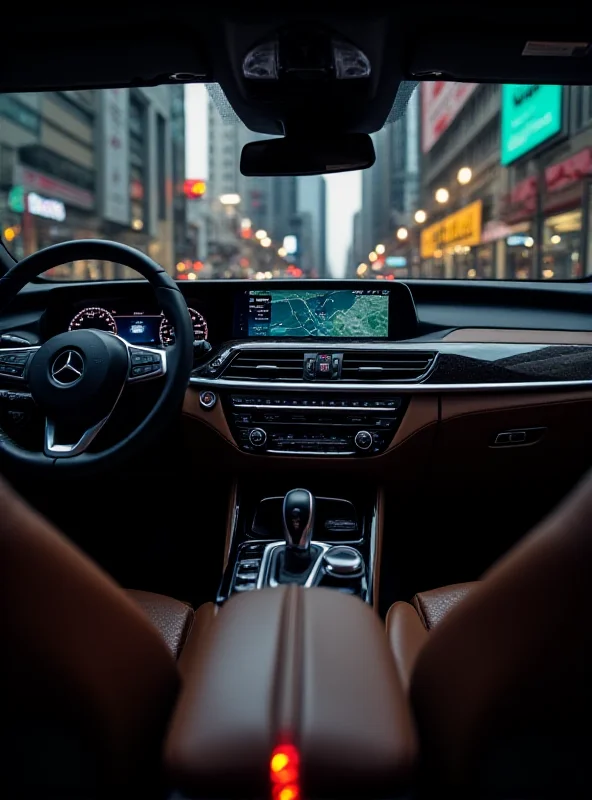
{"x": 531, "y": 114}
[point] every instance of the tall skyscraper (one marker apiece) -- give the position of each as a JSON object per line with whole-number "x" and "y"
{"x": 312, "y": 201}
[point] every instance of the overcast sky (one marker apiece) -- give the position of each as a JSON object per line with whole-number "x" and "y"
{"x": 344, "y": 191}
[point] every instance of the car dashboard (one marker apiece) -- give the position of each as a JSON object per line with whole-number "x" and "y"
{"x": 345, "y": 370}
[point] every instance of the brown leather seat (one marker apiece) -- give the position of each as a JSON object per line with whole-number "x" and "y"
{"x": 172, "y": 618}
{"x": 501, "y": 687}
{"x": 408, "y": 625}
{"x": 88, "y": 675}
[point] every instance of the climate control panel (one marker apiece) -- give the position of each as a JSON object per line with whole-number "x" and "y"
{"x": 314, "y": 424}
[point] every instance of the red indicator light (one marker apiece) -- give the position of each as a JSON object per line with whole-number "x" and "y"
{"x": 284, "y": 770}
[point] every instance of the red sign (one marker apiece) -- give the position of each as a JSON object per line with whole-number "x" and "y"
{"x": 193, "y": 188}
{"x": 570, "y": 171}
{"x": 441, "y": 101}
{"x": 33, "y": 181}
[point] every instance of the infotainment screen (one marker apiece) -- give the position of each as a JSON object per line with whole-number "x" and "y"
{"x": 356, "y": 313}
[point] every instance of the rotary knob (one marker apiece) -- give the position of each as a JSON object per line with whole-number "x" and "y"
{"x": 257, "y": 437}
{"x": 363, "y": 440}
{"x": 343, "y": 562}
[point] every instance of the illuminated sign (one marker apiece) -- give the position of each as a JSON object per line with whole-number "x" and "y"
{"x": 193, "y": 188}
{"x": 441, "y": 102}
{"x": 461, "y": 228}
{"x": 45, "y": 207}
{"x": 396, "y": 261}
{"x": 531, "y": 114}
{"x": 290, "y": 244}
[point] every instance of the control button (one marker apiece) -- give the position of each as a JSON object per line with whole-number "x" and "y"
{"x": 389, "y": 424}
{"x": 257, "y": 437}
{"x": 343, "y": 562}
{"x": 249, "y": 564}
{"x": 245, "y": 587}
{"x": 363, "y": 440}
{"x": 246, "y": 577}
{"x": 242, "y": 419}
{"x": 207, "y": 399}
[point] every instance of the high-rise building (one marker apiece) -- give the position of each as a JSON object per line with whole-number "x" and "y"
{"x": 404, "y": 163}
{"x": 461, "y": 126}
{"x": 312, "y": 201}
{"x": 84, "y": 164}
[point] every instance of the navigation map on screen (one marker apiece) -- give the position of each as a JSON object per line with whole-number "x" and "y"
{"x": 359, "y": 313}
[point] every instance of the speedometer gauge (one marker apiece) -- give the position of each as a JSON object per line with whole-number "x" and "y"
{"x": 98, "y": 318}
{"x": 200, "y": 328}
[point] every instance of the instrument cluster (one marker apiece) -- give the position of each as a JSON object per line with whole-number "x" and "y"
{"x": 136, "y": 327}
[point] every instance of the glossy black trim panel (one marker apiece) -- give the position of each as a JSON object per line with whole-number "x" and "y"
{"x": 459, "y": 366}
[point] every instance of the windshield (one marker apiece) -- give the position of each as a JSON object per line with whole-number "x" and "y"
{"x": 471, "y": 182}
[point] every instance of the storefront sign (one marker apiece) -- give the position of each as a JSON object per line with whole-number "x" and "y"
{"x": 33, "y": 181}
{"x": 114, "y": 171}
{"x": 441, "y": 102}
{"x": 570, "y": 171}
{"x": 46, "y": 207}
{"x": 531, "y": 114}
{"x": 461, "y": 228}
{"x": 494, "y": 230}
{"x": 396, "y": 261}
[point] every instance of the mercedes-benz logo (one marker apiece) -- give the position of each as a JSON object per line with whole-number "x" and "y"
{"x": 68, "y": 368}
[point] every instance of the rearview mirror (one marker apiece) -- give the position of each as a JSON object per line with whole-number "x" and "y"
{"x": 307, "y": 156}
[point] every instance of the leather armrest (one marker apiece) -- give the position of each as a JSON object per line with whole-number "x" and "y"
{"x": 310, "y": 667}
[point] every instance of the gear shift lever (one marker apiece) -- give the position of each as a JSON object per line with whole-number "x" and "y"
{"x": 298, "y": 514}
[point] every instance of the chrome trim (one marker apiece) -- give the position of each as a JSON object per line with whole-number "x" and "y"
{"x": 263, "y": 578}
{"x": 314, "y": 453}
{"x": 6, "y": 351}
{"x": 69, "y": 450}
{"x": 399, "y": 388}
{"x": 303, "y": 541}
{"x": 357, "y": 409}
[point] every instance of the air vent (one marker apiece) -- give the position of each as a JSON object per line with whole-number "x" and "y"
{"x": 266, "y": 365}
{"x": 380, "y": 365}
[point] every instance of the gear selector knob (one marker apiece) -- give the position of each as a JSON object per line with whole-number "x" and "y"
{"x": 298, "y": 513}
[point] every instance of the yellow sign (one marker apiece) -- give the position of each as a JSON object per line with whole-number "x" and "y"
{"x": 461, "y": 228}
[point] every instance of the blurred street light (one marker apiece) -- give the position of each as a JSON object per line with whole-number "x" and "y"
{"x": 442, "y": 195}
{"x": 362, "y": 269}
{"x": 246, "y": 224}
{"x": 556, "y": 239}
{"x": 231, "y": 199}
{"x": 380, "y": 249}
{"x": 191, "y": 276}
{"x": 282, "y": 252}
{"x": 402, "y": 234}
{"x": 261, "y": 234}
{"x": 266, "y": 242}
{"x": 372, "y": 257}
{"x": 465, "y": 175}
{"x": 529, "y": 242}
{"x": 420, "y": 216}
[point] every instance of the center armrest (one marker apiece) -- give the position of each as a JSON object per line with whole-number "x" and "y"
{"x": 307, "y": 667}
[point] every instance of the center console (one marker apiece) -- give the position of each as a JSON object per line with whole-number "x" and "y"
{"x": 298, "y": 423}
{"x": 298, "y": 536}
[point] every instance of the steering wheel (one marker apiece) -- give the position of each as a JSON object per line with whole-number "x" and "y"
{"x": 76, "y": 378}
